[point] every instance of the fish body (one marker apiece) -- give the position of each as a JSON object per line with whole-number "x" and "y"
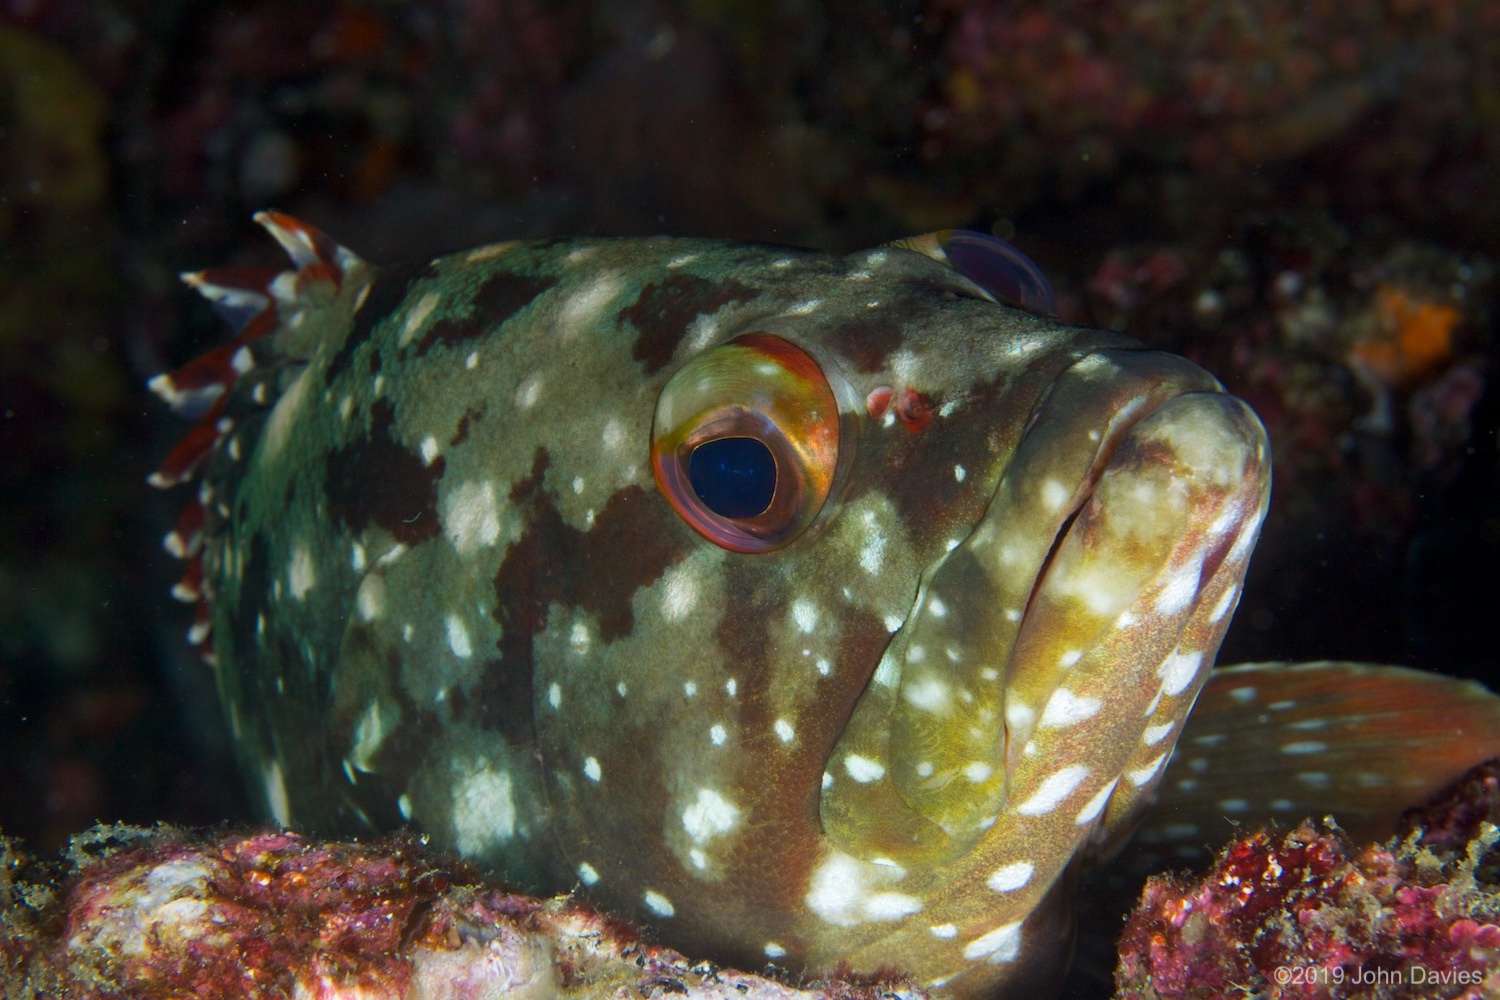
{"x": 806, "y": 609}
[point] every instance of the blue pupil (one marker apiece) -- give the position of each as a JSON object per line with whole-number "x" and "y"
{"x": 734, "y": 477}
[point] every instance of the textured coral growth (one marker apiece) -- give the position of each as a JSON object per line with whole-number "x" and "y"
{"x": 149, "y": 915}
{"x": 1306, "y": 916}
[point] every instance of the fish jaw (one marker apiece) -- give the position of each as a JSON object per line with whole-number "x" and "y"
{"x": 1028, "y": 705}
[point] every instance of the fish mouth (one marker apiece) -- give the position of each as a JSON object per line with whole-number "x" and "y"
{"x": 1122, "y": 520}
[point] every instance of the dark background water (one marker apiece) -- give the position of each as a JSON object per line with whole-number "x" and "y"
{"x": 1301, "y": 196}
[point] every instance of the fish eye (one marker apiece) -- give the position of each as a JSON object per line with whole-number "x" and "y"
{"x": 735, "y": 477}
{"x": 745, "y": 442}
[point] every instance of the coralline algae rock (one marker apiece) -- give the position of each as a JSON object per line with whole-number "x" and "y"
{"x": 161, "y": 913}
{"x": 1305, "y": 915}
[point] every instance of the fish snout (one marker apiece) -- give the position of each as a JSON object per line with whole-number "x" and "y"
{"x": 1075, "y": 624}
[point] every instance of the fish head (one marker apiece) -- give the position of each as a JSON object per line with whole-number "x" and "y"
{"x": 950, "y": 577}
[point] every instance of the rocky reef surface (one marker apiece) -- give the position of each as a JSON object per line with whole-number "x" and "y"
{"x": 1309, "y": 915}
{"x": 156, "y": 913}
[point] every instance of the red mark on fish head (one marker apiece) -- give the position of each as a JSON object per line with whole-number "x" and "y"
{"x": 915, "y": 410}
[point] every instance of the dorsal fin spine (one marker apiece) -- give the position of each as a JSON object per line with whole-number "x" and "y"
{"x": 254, "y": 303}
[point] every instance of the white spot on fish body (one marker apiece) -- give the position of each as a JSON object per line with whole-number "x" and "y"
{"x": 357, "y": 557}
{"x": 805, "y": 615}
{"x": 1178, "y": 670}
{"x": 1000, "y": 945}
{"x": 528, "y": 392}
{"x": 1142, "y": 775}
{"x": 591, "y": 768}
{"x": 872, "y": 553}
{"x": 1055, "y": 494}
{"x": 587, "y": 874}
{"x": 301, "y": 576}
{"x": 1095, "y": 805}
{"x": 471, "y": 519}
{"x": 944, "y": 931}
{"x": 484, "y": 811}
{"x": 717, "y": 734}
{"x": 689, "y": 689}
{"x": 1243, "y": 695}
{"x": 430, "y": 450}
{"x": 613, "y": 435}
{"x": 680, "y": 594}
{"x": 824, "y": 667}
{"x": 1155, "y": 734}
{"x": 1069, "y": 658}
{"x": 893, "y": 623}
{"x": 403, "y": 805}
{"x": 709, "y": 815}
{"x": 416, "y": 318}
{"x": 774, "y": 950}
{"x": 1009, "y": 878}
{"x": 370, "y": 598}
{"x": 805, "y": 308}
{"x": 960, "y": 473}
{"x": 1018, "y": 714}
{"x": 1053, "y": 790}
{"x": 977, "y": 771}
{"x": 731, "y": 687}
{"x": 458, "y": 638}
{"x": 836, "y": 890}
{"x": 472, "y": 361}
{"x": 1225, "y": 602}
{"x": 1180, "y": 588}
{"x": 1234, "y": 805}
{"x": 579, "y": 638}
{"x": 1304, "y": 746}
{"x": 863, "y": 769}
{"x": 584, "y": 307}
{"x": 784, "y": 731}
{"x": 276, "y": 799}
{"x": 884, "y": 906}
{"x": 658, "y": 904}
{"x": 930, "y": 694}
{"x": 1065, "y": 708}
{"x": 554, "y": 695}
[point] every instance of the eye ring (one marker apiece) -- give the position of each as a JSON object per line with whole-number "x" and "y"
{"x": 758, "y": 389}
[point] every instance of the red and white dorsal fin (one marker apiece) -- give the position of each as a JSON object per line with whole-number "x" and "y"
{"x": 257, "y": 303}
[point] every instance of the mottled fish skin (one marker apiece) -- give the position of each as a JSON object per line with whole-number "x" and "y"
{"x": 446, "y": 588}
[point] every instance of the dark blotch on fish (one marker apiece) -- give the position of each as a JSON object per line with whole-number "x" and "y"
{"x": 497, "y": 300}
{"x": 663, "y": 313}
{"x": 406, "y": 503}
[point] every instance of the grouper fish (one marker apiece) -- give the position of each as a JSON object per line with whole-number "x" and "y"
{"x": 832, "y": 612}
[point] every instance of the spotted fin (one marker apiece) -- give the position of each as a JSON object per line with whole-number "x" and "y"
{"x": 264, "y": 309}
{"x": 1288, "y": 741}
